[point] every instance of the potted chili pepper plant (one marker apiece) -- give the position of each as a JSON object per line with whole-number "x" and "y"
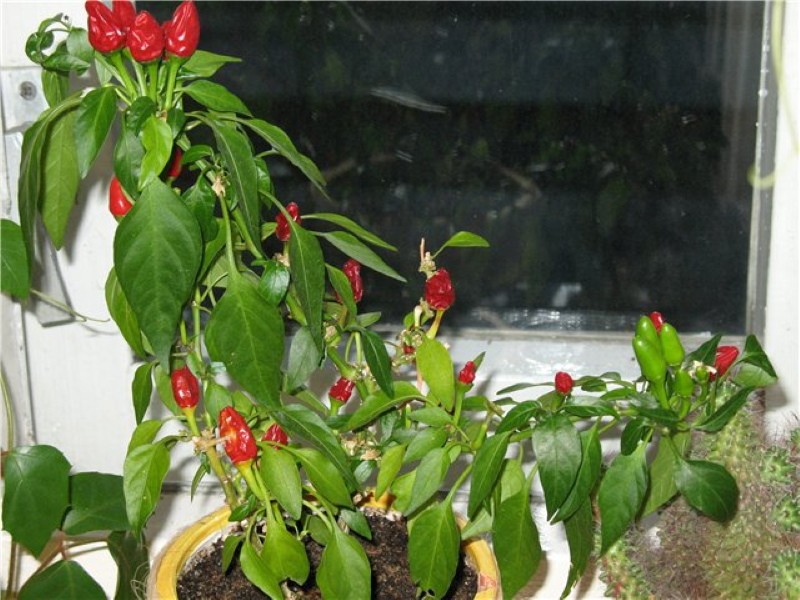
{"x": 214, "y": 269}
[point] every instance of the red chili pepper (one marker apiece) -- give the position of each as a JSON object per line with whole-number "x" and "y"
{"x": 240, "y": 446}
{"x": 182, "y": 33}
{"x": 175, "y": 166}
{"x": 467, "y": 374}
{"x": 408, "y": 349}
{"x": 657, "y": 319}
{"x": 185, "y": 388}
{"x": 283, "y": 232}
{"x": 125, "y": 12}
{"x": 564, "y": 383}
{"x": 439, "y": 292}
{"x": 725, "y": 357}
{"x": 145, "y": 38}
{"x": 106, "y": 30}
{"x": 276, "y": 434}
{"x": 352, "y": 268}
{"x": 118, "y": 203}
{"x": 341, "y": 390}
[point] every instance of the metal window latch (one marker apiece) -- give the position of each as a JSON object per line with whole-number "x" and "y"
{"x": 22, "y": 103}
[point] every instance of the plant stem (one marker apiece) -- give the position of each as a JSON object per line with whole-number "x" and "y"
{"x": 122, "y": 73}
{"x": 172, "y": 73}
{"x": 9, "y": 409}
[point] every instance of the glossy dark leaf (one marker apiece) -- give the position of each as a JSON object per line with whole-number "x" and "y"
{"x": 726, "y": 412}
{"x": 436, "y": 366}
{"x": 215, "y": 96}
{"x": 380, "y": 364}
{"x": 63, "y": 580}
{"x": 97, "y": 503}
{"x": 142, "y": 390}
{"x": 662, "y": 486}
{"x": 486, "y": 469}
{"x": 708, "y": 487}
{"x": 579, "y": 529}
{"x": 621, "y": 494}
{"x": 123, "y": 315}
{"x": 60, "y": 177}
{"x": 557, "y": 446}
{"x": 143, "y": 474}
{"x": 591, "y": 462}
{"x": 93, "y": 122}
{"x": 519, "y": 551}
{"x": 14, "y": 268}
{"x": 344, "y": 570}
{"x": 433, "y": 546}
{"x": 308, "y": 277}
{"x": 354, "y": 248}
{"x": 304, "y": 359}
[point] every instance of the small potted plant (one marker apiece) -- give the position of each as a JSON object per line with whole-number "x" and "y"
{"x": 213, "y": 270}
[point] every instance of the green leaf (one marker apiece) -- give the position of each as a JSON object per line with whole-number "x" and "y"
{"x": 14, "y": 268}
{"x": 705, "y": 353}
{"x": 391, "y": 462}
{"x": 431, "y": 415}
{"x": 138, "y": 113}
{"x": 215, "y": 96}
{"x": 431, "y": 472}
{"x": 215, "y": 398}
{"x": 245, "y": 332}
{"x": 354, "y": 248}
{"x": 557, "y": 446}
{"x": 378, "y": 360}
{"x": 280, "y": 474}
{"x": 229, "y": 548}
{"x": 142, "y": 390}
{"x": 379, "y": 402}
{"x": 55, "y": 86}
{"x": 433, "y": 547}
{"x": 93, "y": 122}
{"x": 157, "y": 143}
{"x": 157, "y": 250}
{"x": 519, "y": 551}
{"x": 344, "y": 570}
{"x": 60, "y": 177}
{"x": 344, "y": 291}
{"x": 356, "y": 522}
{"x": 591, "y": 461}
{"x": 299, "y": 421}
{"x": 123, "y": 314}
{"x": 144, "y": 434}
{"x": 274, "y": 282}
{"x": 579, "y": 528}
{"x": 128, "y": 155}
{"x": 708, "y": 487}
{"x": 205, "y": 64}
{"x": 463, "y": 239}
{"x": 286, "y": 554}
{"x": 63, "y": 580}
{"x": 620, "y": 496}
{"x": 143, "y": 474}
{"x": 308, "y": 276}
{"x": 36, "y": 494}
{"x": 352, "y": 227}
{"x": 726, "y": 412}
{"x": 133, "y": 563}
{"x": 486, "y": 469}
{"x": 97, "y": 504}
{"x": 750, "y": 375}
{"x": 436, "y": 366}
{"x": 519, "y": 416}
{"x": 662, "y": 479}
{"x": 424, "y": 442}
{"x": 304, "y": 359}
{"x": 589, "y": 406}
{"x": 324, "y": 476}
{"x": 237, "y": 156}
{"x": 278, "y": 139}
{"x": 259, "y": 573}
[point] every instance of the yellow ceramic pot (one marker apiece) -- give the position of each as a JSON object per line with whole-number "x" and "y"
{"x": 163, "y": 580}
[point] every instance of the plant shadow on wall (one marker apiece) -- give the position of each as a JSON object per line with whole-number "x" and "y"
{"x": 213, "y": 271}
{"x": 566, "y": 133}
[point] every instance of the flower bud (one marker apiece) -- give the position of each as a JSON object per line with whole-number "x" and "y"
{"x": 106, "y": 30}
{"x": 185, "y": 388}
{"x": 439, "y": 292}
{"x": 240, "y": 446}
{"x": 145, "y": 38}
{"x": 341, "y": 390}
{"x": 283, "y": 232}
{"x": 182, "y": 33}
{"x": 118, "y": 203}
{"x": 563, "y": 383}
{"x": 467, "y": 374}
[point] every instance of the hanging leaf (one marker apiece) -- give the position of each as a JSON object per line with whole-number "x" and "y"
{"x": 436, "y": 366}
{"x": 93, "y": 122}
{"x": 519, "y": 552}
{"x": 60, "y": 177}
{"x": 557, "y": 446}
{"x": 143, "y": 474}
{"x": 157, "y": 250}
{"x": 391, "y": 462}
{"x": 589, "y": 471}
{"x": 259, "y": 573}
{"x": 352, "y": 227}
{"x": 36, "y": 494}
{"x": 378, "y": 360}
{"x": 142, "y": 390}
{"x": 97, "y": 503}
{"x": 433, "y": 547}
{"x": 308, "y": 276}
{"x": 282, "y": 479}
{"x": 304, "y": 359}
{"x": 133, "y": 563}
{"x": 14, "y": 268}
{"x": 708, "y": 487}
{"x": 352, "y": 247}
{"x": 324, "y": 476}
{"x": 579, "y": 528}
{"x": 431, "y": 472}
{"x": 63, "y": 580}
{"x": 662, "y": 472}
{"x": 123, "y": 314}
{"x": 157, "y": 143}
{"x": 204, "y": 64}
{"x": 620, "y": 496}
{"x": 486, "y": 469}
{"x": 378, "y": 403}
{"x": 128, "y": 155}
{"x": 215, "y": 96}
{"x": 286, "y": 554}
{"x": 245, "y": 332}
{"x": 344, "y": 570}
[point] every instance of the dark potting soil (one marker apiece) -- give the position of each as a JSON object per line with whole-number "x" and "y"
{"x": 203, "y": 579}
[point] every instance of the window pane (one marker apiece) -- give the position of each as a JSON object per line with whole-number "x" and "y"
{"x": 601, "y": 148}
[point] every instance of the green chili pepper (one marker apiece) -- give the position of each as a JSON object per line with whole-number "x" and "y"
{"x": 646, "y": 330}
{"x": 648, "y": 355}
{"x": 683, "y": 384}
{"x": 671, "y": 346}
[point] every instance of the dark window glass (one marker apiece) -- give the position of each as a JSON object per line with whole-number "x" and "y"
{"x": 602, "y": 148}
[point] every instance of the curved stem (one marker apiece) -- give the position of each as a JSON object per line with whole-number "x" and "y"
{"x": 9, "y": 410}
{"x": 122, "y": 73}
{"x": 67, "y": 309}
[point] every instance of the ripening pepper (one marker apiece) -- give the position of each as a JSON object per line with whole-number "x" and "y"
{"x": 283, "y": 232}
{"x": 657, "y": 319}
{"x": 118, "y": 203}
{"x": 671, "y": 346}
{"x": 564, "y": 383}
{"x": 646, "y": 329}
{"x": 352, "y": 269}
{"x": 439, "y": 292}
{"x": 341, "y": 390}
{"x": 125, "y": 12}
{"x": 185, "y": 388}
{"x": 175, "y": 165}
{"x": 725, "y": 357}
{"x": 145, "y": 38}
{"x": 182, "y": 32}
{"x": 106, "y": 30}
{"x": 275, "y": 433}
{"x": 240, "y": 446}
{"x": 653, "y": 365}
{"x": 467, "y": 374}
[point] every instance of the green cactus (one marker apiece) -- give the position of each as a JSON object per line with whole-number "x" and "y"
{"x": 787, "y": 513}
{"x": 623, "y": 577}
{"x": 786, "y": 571}
{"x": 777, "y": 466}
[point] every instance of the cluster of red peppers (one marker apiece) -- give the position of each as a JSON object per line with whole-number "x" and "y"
{"x": 113, "y": 29}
